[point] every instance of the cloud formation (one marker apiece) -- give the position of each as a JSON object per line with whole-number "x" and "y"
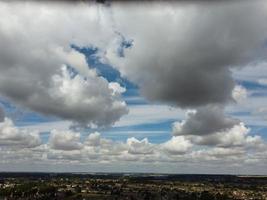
{"x": 181, "y": 55}
{"x": 204, "y": 121}
{"x": 187, "y": 62}
{"x": 234, "y": 137}
{"x": 139, "y": 146}
{"x": 236, "y": 148}
{"x": 40, "y": 70}
{"x": 64, "y": 140}
{"x": 177, "y": 145}
{"x": 11, "y": 136}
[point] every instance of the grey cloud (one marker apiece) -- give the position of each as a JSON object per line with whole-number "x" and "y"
{"x": 182, "y": 53}
{"x": 2, "y": 115}
{"x": 204, "y": 121}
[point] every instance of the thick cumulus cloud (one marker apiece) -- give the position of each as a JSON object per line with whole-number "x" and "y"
{"x": 209, "y": 126}
{"x": 182, "y": 53}
{"x": 41, "y": 71}
{"x": 91, "y": 100}
{"x": 204, "y": 121}
{"x": 187, "y": 63}
{"x": 11, "y": 136}
{"x": 234, "y": 137}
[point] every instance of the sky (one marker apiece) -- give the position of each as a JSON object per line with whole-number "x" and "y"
{"x": 158, "y": 87}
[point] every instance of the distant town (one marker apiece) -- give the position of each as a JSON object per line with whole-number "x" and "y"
{"x": 59, "y": 186}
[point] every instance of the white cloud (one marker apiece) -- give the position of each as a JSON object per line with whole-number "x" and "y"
{"x": 11, "y": 136}
{"x": 234, "y": 137}
{"x": 89, "y": 101}
{"x": 38, "y": 39}
{"x": 139, "y": 146}
{"x": 236, "y": 149}
{"x": 76, "y": 60}
{"x": 239, "y": 93}
{"x": 116, "y": 88}
{"x": 177, "y": 145}
{"x": 93, "y": 139}
{"x": 65, "y": 140}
